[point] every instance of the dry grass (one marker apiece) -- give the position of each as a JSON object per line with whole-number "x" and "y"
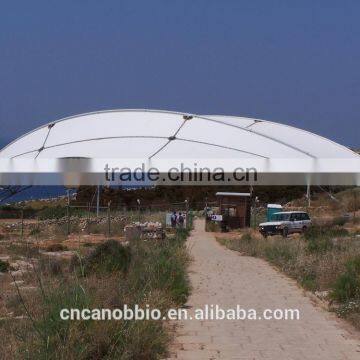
{"x": 154, "y": 275}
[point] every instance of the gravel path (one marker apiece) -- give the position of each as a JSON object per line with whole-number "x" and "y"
{"x": 224, "y": 277}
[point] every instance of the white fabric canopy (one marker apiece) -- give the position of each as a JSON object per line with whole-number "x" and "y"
{"x": 160, "y": 138}
{"x": 146, "y": 133}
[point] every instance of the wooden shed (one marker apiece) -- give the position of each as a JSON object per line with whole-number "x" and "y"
{"x": 236, "y": 207}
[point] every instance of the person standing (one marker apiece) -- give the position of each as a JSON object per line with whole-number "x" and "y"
{"x": 173, "y": 220}
{"x": 181, "y": 220}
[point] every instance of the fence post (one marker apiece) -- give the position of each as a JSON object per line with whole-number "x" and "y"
{"x": 88, "y": 217}
{"x": 355, "y": 205}
{"x": 68, "y": 213}
{"x": 22, "y": 224}
{"x": 139, "y": 209}
{"x": 109, "y": 219}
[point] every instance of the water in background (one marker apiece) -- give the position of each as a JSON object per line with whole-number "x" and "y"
{"x": 36, "y": 192}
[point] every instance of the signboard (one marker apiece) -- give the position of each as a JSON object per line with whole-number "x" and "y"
{"x": 216, "y": 217}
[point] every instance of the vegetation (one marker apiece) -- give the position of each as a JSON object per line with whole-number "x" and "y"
{"x": 58, "y": 212}
{"x": 147, "y": 273}
{"x": 108, "y": 257}
{"x": 56, "y": 247}
{"x": 347, "y": 285}
{"x": 4, "y": 266}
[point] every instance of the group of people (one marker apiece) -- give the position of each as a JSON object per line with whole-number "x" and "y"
{"x": 177, "y": 220}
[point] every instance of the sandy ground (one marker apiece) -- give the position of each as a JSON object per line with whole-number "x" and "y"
{"x": 224, "y": 277}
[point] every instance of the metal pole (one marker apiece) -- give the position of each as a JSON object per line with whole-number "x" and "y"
{"x": 355, "y": 205}
{"x": 88, "y": 217}
{"x": 22, "y": 224}
{"x": 68, "y": 212}
{"x": 255, "y": 213}
{"x": 139, "y": 209}
{"x": 308, "y": 195}
{"x": 98, "y": 201}
{"x": 109, "y": 219}
{"x": 187, "y": 213}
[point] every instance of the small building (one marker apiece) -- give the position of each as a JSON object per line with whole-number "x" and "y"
{"x": 236, "y": 207}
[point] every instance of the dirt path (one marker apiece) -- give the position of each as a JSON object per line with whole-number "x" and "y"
{"x": 221, "y": 276}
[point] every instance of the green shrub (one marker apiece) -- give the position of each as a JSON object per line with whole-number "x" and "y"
{"x": 246, "y": 237}
{"x": 212, "y": 226}
{"x": 51, "y": 265}
{"x": 317, "y": 245}
{"x": 318, "y": 231}
{"x": 108, "y": 257}
{"x": 22, "y": 250}
{"x": 308, "y": 281}
{"x": 58, "y": 212}
{"x": 162, "y": 266}
{"x": 320, "y": 238}
{"x": 88, "y": 244}
{"x": 52, "y": 336}
{"x": 56, "y": 247}
{"x": 155, "y": 275}
{"x": 4, "y": 266}
{"x": 279, "y": 253}
{"x": 347, "y": 285}
{"x": 340, "y": 221}
{"x": 9, "y": 212}
{"x": 34, "y": 231}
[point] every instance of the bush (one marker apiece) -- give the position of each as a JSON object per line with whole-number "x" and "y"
{"x": 316, "y": 245}
{"x": 58, "y": 212}
{"x": 347, "y": 285}
{"x": 108, "y": 257}
{"x": 51, "y": 266}
{"x": 56, "y": 247}
{"x": 279, "y": 253}
{"x": 340, "y": 221}
{"x": 318, "y": 231}
{"x": 155, "y": 276}
{"x": 4, "y": 266}
{"x": 9, "y": 212}
{"x": 34, "y": 231}
{"x": 50, "y": 337}
{"x": 320, "y": 238}
{"x": 212, "y": 226}
{"x": 246, "y": 238}
{"x": 22, "y": 250}
{"x": 308, "y": 281}
{"x": 162, "y": 267}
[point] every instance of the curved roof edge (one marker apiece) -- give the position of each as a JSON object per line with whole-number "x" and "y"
{"x": 215, "y": 118}
{"x": 284, "y": 125}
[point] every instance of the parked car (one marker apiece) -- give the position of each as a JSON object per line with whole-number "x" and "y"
{"x": 285, "y": 223}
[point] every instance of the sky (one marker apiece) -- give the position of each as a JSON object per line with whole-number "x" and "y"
{"x": 294, "y": 62}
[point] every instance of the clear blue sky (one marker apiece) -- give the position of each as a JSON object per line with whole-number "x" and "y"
{"x": 296, "y": 62}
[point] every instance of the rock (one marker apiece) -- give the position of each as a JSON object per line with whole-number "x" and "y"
{"x": 322, "y": 294}
{"x": 28, "y": 288}
{"x": 17, "y": 273}
{"x": 17, "y": 282}
{"x": 25, "y": 265}
{"x": 14, "y": 266}
{"x": 63, "y": 254}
